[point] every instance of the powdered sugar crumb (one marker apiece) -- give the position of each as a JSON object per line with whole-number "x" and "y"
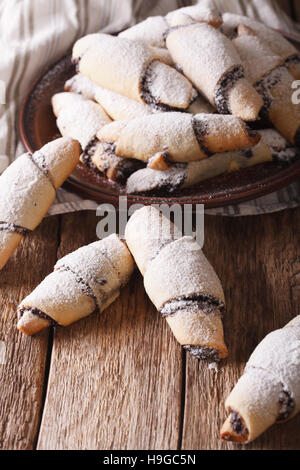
{"x": 215, "y": 367}
{"x": 168, "y": 86}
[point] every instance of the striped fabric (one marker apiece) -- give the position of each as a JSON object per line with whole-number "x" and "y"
{"x": 34, "y": 34}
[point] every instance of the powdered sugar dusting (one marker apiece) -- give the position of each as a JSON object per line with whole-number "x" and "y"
{"x": 81, "y": 85}
{"x": 274, "y": 39}
{"x": 120, "y": 107}
{"x": 170, "y": 131}
{"x": 194, "y": 13}
{"x": 280, "y": 148}
{"x": 219, "y": 124}
{"x": 101, "y": 263}
{"x": 120, "y": 65}
{"x": 204, "y": 54}
{"x": 80, "y": 119}
{"x": 257, "y": 57}
{"x": 123, "y": 60}
{"x": 178, "y": 278}
{"x": 148, "y": 179}
{"x": 168, "y": 86}
{"x": 25, "y": 194}
{"x": 117, "y": 106}
{"x": 151, "y": 31}
{"x": 279, "y": 354}
{"x": 146, "y": 233}
{"x": 193, "y": 326}
{"x": 185, "y": 271}
{"x": 273, "y": 139}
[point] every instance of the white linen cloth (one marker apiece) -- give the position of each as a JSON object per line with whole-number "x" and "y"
{"x": 34, "y": 34}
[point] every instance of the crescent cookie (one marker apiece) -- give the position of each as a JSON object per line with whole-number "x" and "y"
{"x": 28, "y": 188}
{"x": 179, "y": 137}
{"x": 269, "y": 390}
{"x": 85, "y": 281}
{"x": 179, "y": 281}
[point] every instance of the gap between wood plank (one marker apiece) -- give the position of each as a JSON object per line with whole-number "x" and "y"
{"x": 183, "y": 392}
{"x": 49, "y": 350}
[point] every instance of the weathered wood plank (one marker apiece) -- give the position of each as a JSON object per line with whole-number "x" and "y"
{"x": 115, "y": 378}
{"x": 257, "y": 259}
{"x": 22, "y": 376}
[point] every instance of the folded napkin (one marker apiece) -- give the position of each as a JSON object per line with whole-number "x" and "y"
{"x": 34, "y": 35}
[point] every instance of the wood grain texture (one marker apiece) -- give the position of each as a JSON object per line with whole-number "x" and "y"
{"x": 22, "y": 376}
{"x": 257, "y": 259}
{"x": 115, "y": 378}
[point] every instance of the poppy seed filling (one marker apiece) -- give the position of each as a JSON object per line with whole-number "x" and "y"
{"x": 37, "y": 313}
{"x": 12, "y": 228}
{"x": 237, "y": 424}
{"x": 204, "y": 302}
{"x": 200, "y": 128}
{"x": 292, "y": 60}
{"x": 203, "y": 353}
{"x": 125, "y": 166}
{"x": 147, "y": 96}
{"x": 264, "y": 87}
{"x": 287, "y": 405}
{"x": 223, "y": 88}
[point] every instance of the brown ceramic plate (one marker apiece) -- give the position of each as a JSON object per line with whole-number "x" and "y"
{"x": 37, "y": 127}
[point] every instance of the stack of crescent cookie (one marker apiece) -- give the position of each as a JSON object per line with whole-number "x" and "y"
{"x": 171, "y": 101}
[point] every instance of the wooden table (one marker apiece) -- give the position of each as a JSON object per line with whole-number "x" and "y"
{"x": 119, "y": 380}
